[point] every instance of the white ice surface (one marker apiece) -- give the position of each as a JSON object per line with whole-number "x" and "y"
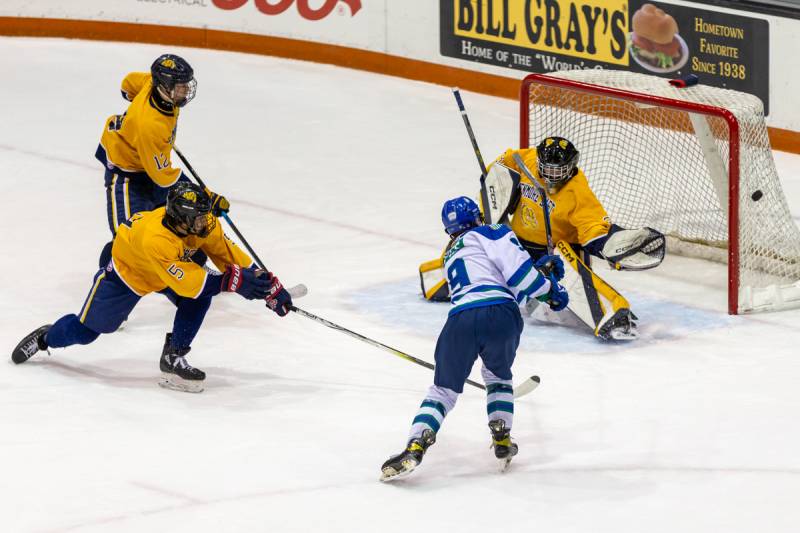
{"x": 336, "y": 177}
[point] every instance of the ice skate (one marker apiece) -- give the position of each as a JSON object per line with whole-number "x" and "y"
{"x": 404, "y": 463}
{"x": 619, "y": 327}
{"x": 32, "y": 343}
{"x": 176, "y": 372}
{"x": 504, "y": 448}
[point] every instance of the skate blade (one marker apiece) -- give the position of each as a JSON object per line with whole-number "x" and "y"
{"x": 505, "y": 463}
{"x": 622, "y": 335}
{"x": 173, "y": 382}
{"x": 390, "y": 474}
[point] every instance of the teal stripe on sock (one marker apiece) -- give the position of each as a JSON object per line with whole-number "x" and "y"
{"x": 435, "y": 405}
{"x": 430, "y": 420}
{"x": 499, "y": 387}
{"x": 498, "y": 405}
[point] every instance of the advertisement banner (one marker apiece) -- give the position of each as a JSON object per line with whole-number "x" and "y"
{"x": 341, "y": 22}
{"x": 724, "y": 50}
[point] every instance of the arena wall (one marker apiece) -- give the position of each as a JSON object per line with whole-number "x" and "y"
{"x": 401, "y": 38}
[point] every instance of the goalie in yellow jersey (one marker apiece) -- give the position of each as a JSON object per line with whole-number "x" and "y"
{"x": 136, "y": 147}
{"x": 579, "y": 227}
{"x": 151, "y": 253}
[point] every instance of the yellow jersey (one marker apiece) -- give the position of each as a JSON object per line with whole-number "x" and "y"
{"x": 141, "y": 140}
{"x": 149, "y": 257}
{"x": 576, "y": 215}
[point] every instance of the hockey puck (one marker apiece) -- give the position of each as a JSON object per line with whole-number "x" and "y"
{"x": 756, "y": 196}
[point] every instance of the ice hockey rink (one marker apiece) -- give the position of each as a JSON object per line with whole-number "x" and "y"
{"x": 337, "y": 177}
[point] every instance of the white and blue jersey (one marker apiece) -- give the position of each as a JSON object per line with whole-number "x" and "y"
{"x": 488, "y": 266}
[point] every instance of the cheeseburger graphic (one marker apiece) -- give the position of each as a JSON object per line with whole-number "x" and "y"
{"x": 655, "y": 43}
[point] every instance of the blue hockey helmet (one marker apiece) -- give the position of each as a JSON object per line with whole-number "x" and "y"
{"x": 175, "y": 76}
{"x": 460, "y": 214}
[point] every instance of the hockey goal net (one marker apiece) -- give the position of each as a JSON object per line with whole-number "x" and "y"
{"x": 694, "y": 163}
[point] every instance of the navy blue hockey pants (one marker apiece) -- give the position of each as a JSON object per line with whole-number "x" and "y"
{"x": 491, "y": 332}
{"x": 108, "y": 305}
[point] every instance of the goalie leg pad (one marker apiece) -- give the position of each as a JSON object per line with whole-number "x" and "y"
{"x": 596, "y": 303}
{"x": 433, "y": 282}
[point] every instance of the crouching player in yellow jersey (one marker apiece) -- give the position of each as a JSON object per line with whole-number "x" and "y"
{"x": 580, "y": 229}
{"x": 136, "y": 147}
{"x": 152, "y": 253}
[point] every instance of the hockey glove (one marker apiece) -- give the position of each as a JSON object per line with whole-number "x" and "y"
{"x": 251, "y": 283}
{"x": 550, "y": 264}
{"x": 278, "y": 298}
{"x": 219, "y": 204}
{"x": 557, "y": 297}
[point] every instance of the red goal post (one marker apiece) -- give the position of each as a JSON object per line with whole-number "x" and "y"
{"x": 673, "y": 159}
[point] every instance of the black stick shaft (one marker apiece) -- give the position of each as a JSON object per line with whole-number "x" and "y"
{"x": 487, "y": 213}
{"x": 470, "y": 132}
{"x": 200, "y": 182}
{"x": 545, "y": 201}
{"x": 312, "y": 316}
{"x": 375, "y": 343}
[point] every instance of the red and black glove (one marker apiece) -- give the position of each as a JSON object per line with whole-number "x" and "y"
{"x": 252, "y": 283}
{"x": 278, "y": 298}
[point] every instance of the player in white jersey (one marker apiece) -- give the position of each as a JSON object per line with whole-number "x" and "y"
{"x": 489, "y": 274}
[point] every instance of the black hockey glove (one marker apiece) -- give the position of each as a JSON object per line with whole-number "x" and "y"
{"x": 219, "y": 204}
{"x": 278, "y": 298}
{"x": 251, "y": 283}
{"x": 550, "y": 264}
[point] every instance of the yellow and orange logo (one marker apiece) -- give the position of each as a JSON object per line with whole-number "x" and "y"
{"x": 590, "y": 29}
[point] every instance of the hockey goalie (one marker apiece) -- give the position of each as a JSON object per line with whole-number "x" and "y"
{"x": 579, "y": 229}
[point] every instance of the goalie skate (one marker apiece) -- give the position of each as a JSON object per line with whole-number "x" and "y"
{"x": 619, "y": 327}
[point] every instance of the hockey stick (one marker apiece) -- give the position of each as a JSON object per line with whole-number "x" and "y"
{"x": 297, "y": 291}
{"x": 484, "y": 192}
{"x": 224, "y": 215}
{"x": 545, "y": 201}
{"x": 524, "y": 388}
{"x": 520, "y": 390}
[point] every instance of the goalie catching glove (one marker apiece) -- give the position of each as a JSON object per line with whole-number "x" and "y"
{"x": 635, "y": 249}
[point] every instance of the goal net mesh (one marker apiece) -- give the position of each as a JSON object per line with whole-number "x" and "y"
{"x": 648, "y": 167}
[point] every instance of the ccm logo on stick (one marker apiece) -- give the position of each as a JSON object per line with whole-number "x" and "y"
{"x": 276, "y": 7}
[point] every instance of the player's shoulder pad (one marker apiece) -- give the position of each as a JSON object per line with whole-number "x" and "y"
{"x": 492, "y": 232}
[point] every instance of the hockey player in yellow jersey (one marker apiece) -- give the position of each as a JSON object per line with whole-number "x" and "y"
{"x": 136, "y": 147}
{"x": 579, "y": 218}
{"x": 580, "y": 228}
{"x": 152, "y": 253}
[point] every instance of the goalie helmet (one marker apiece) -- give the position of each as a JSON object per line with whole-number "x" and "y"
{"x": 557, "y": 160}
{"x": 175, "y": 77}
{"x": 188, "y": 210}
{"x": 460, "y": 214}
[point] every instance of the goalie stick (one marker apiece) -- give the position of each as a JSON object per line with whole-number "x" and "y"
{"x": 484, "y": 192}
{"x": 526, "y": 387}
{"x": 545, "y": 201}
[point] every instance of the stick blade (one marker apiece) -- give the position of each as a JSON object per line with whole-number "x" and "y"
{"x": 527, "y": 386}
{"x": 298, "y": 291}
